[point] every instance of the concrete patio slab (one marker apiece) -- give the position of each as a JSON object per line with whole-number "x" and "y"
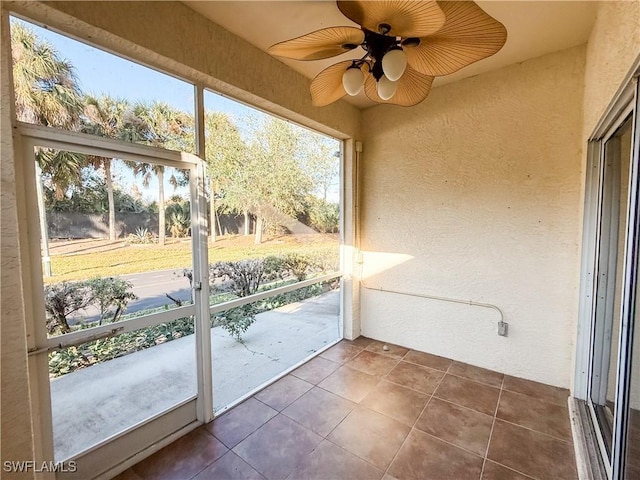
{"x": 94, "y": 403}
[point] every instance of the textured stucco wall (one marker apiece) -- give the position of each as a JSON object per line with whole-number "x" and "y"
{"x": 475, "y": 194}
{"x": 614, "y": 44}
{"x": 16, "y": 441}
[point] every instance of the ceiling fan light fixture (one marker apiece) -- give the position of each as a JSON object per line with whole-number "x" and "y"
{"x": 394, "y": 63}
{"x": 353, "y": 80}
{"x": 386, "y": 88}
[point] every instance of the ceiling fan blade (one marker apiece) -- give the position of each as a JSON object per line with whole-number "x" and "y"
{"x": 405, "y": 17}
{"x": 469, "y": 35}
{"x": 320, "y": 44}
{"x": 413, "y": 87}
{"x": 327, "y": 87}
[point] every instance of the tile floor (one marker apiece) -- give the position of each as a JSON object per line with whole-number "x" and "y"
{"x": 363, "y": 411}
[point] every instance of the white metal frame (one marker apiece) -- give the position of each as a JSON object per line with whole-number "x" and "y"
{"x": 190, "y": 412}
{"x": 594, "y": 272}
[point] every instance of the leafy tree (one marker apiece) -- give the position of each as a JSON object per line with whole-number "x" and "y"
{"x": 91, "y": 197}
{"x": 268, "y": 181}
{"x": 321, "y": 215}
{"x": 225, "y": 153}
{"x": 321, "y": 163}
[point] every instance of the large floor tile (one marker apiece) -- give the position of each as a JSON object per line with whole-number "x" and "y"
{"x": 467, "y": 393}
{"x": 532, "y": 453}
{"x": 387, "y": 349}
{"x": 477, "y": 374}
{"x": 370, "y": 435}
{"x": 414, "y": 376}
{"x": 329, "y": 461}
{"x": 340, "y": 353}
{"x": 372, "y": 363}
{"x": 397, "y": 402}
{"x": 428, "y": 360}
{"x": 284, "y": 392}
{"x": 229, "y": 467}
{"x": 494, "y": 471}
{"x": 183, "y": 459}
{"x": 319, "y": 410}
{"x": 315, "y": 370}
{"x": 350, "y": 384}
{"x": 128, "y": 474}
{"x": 535, "y": 414}
{"x": 425, "y": 457}
{"x": 240, "y": 422}
{"x": 278, "y": 447}
{"x": 537, "y": 390}
{"x": 461, "y": 426}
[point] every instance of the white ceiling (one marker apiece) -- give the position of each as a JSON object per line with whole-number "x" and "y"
{"x": 534, "y": 28}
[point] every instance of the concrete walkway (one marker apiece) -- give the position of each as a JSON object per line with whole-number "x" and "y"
{"x": 94, "y": 403}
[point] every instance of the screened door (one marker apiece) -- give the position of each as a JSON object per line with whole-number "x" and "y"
{"x": 115, "y": 371}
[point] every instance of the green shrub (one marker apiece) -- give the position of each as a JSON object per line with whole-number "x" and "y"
{"x": 178, "y": 215}
{"x": 244, "y": 277}
{"x": 98, "y": 351}
{"x": 324, "y": 216}
{"x": 63, "y": 299}
{"x": 237, "y": 320}
{"x": 108, "y": 293}
{"x": 142, "y": 236}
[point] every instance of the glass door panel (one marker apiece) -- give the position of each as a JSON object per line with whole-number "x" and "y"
{"x": 115, "y": 247}
{"x": 632, "y": 468}
{"x": 613, "y": 226}
{"x": 115, "y": 327}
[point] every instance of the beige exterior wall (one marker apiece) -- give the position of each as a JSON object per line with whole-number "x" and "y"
{"x": 475, "y": 195}
{"x": 16, "y": 440}
{"x": 614, "y": 44}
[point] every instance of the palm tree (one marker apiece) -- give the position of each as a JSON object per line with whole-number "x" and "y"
{"x": 161, "y": 125}
{"x": 113, "y": 118}
{"x": 45, "y": 85}
{"x": 47, "y": 93}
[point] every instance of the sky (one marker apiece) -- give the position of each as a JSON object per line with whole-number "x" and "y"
{"x": 101, "y": 72}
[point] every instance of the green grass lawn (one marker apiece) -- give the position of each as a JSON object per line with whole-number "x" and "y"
{"x": 87, "y": 259}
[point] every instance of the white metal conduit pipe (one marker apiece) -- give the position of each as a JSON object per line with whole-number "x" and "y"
{"x": 503, "y": 327}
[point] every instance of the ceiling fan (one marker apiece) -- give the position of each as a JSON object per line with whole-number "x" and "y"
{"x": 406, "y": 44}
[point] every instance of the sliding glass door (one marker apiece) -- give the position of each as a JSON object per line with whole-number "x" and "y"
{"x": 613, "y": 381}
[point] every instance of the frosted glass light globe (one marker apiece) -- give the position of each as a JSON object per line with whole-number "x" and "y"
{"x": 394, "y": 63}
{"x": 386, "y": 88}
{"x": 353, "y": 80}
